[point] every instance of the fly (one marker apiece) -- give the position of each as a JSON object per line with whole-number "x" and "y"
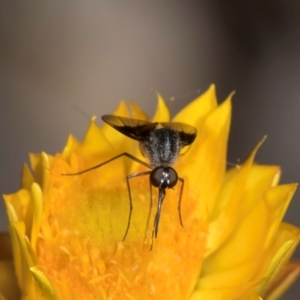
{"x": 160, "y": 143}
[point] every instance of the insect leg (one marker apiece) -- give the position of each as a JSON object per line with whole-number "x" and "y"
{"x": 150, "y": 206}
{"x": 108, "y": 161}
{"x": 128, "y": 177}
{"x": 180, "y": 197}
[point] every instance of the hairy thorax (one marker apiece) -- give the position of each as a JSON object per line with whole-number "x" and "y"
{"x": 162, "y": 148}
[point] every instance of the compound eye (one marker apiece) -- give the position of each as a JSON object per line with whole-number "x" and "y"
{"x": 163, "y": 177}
{"x": 173, "y": 177}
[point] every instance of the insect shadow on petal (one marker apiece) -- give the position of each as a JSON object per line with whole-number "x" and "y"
{"x": 160, "y": 143}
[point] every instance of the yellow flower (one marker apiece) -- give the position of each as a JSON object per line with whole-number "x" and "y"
{"x": 67, "y": 231}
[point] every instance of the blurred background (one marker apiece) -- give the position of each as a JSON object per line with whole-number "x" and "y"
{"x": 62, "y": 62}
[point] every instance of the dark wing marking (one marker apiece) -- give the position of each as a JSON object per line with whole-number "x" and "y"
{"x": 136, "y": 129}
{"x": 187, "y": 133}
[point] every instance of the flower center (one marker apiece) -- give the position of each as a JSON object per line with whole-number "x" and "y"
{"x": 81, "y": 244}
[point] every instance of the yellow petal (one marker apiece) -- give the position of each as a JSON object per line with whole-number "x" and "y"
{"x": 277, "y": 199}
{"x": 12, "y": 217}
{"x": 284, "y": 280}
{"x": 95, "y": 143}
{"x": 162, "y": 111}
{"x": 71, "y": 146}
{"x": 19, "y": 208}
{"x": 196, "y": 112}
{"x": 37, "y": 197}
{"x": 28, "y": 259}
{"x": 47, "y": 161}
{"x": 15, "y": 229}
{"x": 40, "y": 165}
{"x": 30, "y": 277}
{"x": 243, "y": 256}
{"x": 243, "y": 188}
{"x": 239, "y": 258}
{"x": 204, "y": 163}
{"x": 286, "y": 240}
{"x": 46, "y": 290}
{"x": 233, "y": 198}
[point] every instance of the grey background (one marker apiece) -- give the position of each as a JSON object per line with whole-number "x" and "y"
{"x": 64, "y": 61}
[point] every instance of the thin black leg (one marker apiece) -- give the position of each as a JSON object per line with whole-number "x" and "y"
{"x": 128, "y": 177}
{"x": 150, "y": 207}
{"x": 180, "y": 197}
{"x": 106, "y": 162}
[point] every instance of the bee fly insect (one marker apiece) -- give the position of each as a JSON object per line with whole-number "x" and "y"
{"x": 160, "y": 143}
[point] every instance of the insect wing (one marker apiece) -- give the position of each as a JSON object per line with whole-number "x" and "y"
{"x": 187, "y": 133}
{"x": 136, "y": 129}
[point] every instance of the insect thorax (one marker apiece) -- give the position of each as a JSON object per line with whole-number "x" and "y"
{"x": 161, "y": 147}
